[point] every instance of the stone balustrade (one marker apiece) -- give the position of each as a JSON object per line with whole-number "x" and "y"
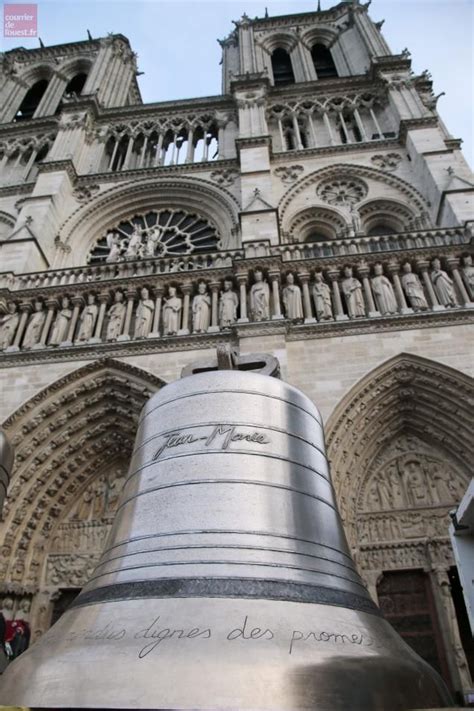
{"x": 235, "y": 293}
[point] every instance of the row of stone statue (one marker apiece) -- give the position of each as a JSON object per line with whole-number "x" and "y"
{"x": 374, "y": 296}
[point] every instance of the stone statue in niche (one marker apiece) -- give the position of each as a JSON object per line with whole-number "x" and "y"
{"x": 144, "y": 315}
{"x": 260, "y": 298}
{"x": 322, "y": 298}
{"x": 413, "y": 289}
{"x": 88, "y": 319}
{"x": 115, "y": 247}
{"x": 228, "y": 304}
{"x": 291, "y": 297}
{"x": 134, "y": 244}
{"x": 352, "y": 290}
{"x": 468, "y": 273}
{"x": 443, "y": 285}
{"x": 116, "y": 317}
{"x": 35, "y": 326}
{"x": 172, "y": 313}
{"x": 201, "y": 309}
{"x": 61, "y": 323}
{"x": 383, "y": 292}
{"x": 8, "y": 326}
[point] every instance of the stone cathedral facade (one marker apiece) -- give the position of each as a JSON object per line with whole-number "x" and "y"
{"x": 317, "y": 210}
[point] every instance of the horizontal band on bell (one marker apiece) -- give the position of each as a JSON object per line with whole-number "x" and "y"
{"x": 227, "y": 587}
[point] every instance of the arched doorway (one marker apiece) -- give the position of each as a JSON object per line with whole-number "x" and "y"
{"x": 73, "y": 442}
{"x": 400, "y": 447}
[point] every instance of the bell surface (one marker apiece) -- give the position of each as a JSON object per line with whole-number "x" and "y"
{"x": 227, "y": 582}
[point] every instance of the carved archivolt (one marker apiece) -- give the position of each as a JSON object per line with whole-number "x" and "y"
{"x": 88, "y": 223}
{"x": 63, "y": 437}
{"x": 399, "y": 441}
{"x": 290, "y": 203}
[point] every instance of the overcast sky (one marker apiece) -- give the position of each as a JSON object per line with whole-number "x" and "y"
{"x": 176, "y": 42}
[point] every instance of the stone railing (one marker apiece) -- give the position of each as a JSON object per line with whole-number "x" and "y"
{"x": 166, "y": 304}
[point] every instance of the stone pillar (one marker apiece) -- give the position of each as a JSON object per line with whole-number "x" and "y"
{"x": 277, "y": 314}
{"x": 214, "y": 327}
{"x": 333, "y": 274}
{"x": 308, "y": 315}
{"x": 363, "y": 271}
{"x": 155, "y": 329}
{"x": 360, "y": 125}
{"x": 103, "y": 300}
{"x": 327, "y": 123}
{"x": 296, "y": 128}
{"x": 454, "y": 266}
{"x": 128, "y": 316}
{"x": 242, "y": 280}
{"x": 51, "y": 305}
{"x": 447, "y": 616}
{"x": 25, "y": 308}
{"x": 78, "y": 302}
{"x": 422, "y": 265}
{"x": 394, "y": 268}
{"x": 186, "y": 289}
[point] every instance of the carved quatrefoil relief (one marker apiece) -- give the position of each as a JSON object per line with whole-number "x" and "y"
{"x": 342, "y": 191}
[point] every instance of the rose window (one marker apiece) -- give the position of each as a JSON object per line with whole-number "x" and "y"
{"x": 342, "y": 191}
{"x": 167, "y": 233}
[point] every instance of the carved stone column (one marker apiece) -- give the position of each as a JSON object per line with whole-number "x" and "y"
{"x": 363, "y": 271}
{"x": 394, "y": 269}
{"x": 186, "y": 289}
{"x": 214, "y": 327}
{"x": 242, "y": 279}
{"x": 155, "y": 330}
{"x": 422, "y": 265}
{"x": 333, "y": 274}
{"x": 308, "y": 314}
{"x": 274, "y": 277}
{"x": 41, "y": 613}
{"x": 78, "y": 303}
{"x": 128, "y": 316}
{"x": 25, "y": 308}
{"x": 103, "y": 301}
{"x": 51, "y": 304}
{"x": 447, "y": 616}
{"x": 453, "y": 265}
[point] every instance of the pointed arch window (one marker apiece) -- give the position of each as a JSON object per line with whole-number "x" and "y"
{"x": 323, "y": 62}
{"x": 282, "y": 68}
{"x": 75, "y": 85}
{"x": 31, "y": 100}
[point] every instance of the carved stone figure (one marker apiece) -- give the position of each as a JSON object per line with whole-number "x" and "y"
{"x": 152, "y": 240}
{"x": 172, "y": 313}
{"x": 468, "y": 273}
{"x": 383, "y": 292}
{"x": 415, "y": 483}
{"x": 322, "y": 298}
{"x": 134, "y": 243}
{"x": 88, "y": 319}
{"x": 352, "y": 290}
{"x": 115, "y": 249}
{"x": 61, "y": 323}
{"x": 144, "y": 315}
{"x": 443, "y": 285}
{"x": 291, "y": 297}
{"x": 116, "y": 317}
{"x": 413, "y": 289}
{"x": 201, "y": 309}
{"x": 260, "y": 298}
{"x": 35, "y": 326}
{"x": 8, "y": 326}
{"x": 228, "y": 304}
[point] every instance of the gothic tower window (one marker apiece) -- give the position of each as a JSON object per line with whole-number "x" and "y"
{"x": 282, "y": 69}
{"x": 31, "y": 100}
{"x": 75, "y": 85}
{"x": 323, "y": 62}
